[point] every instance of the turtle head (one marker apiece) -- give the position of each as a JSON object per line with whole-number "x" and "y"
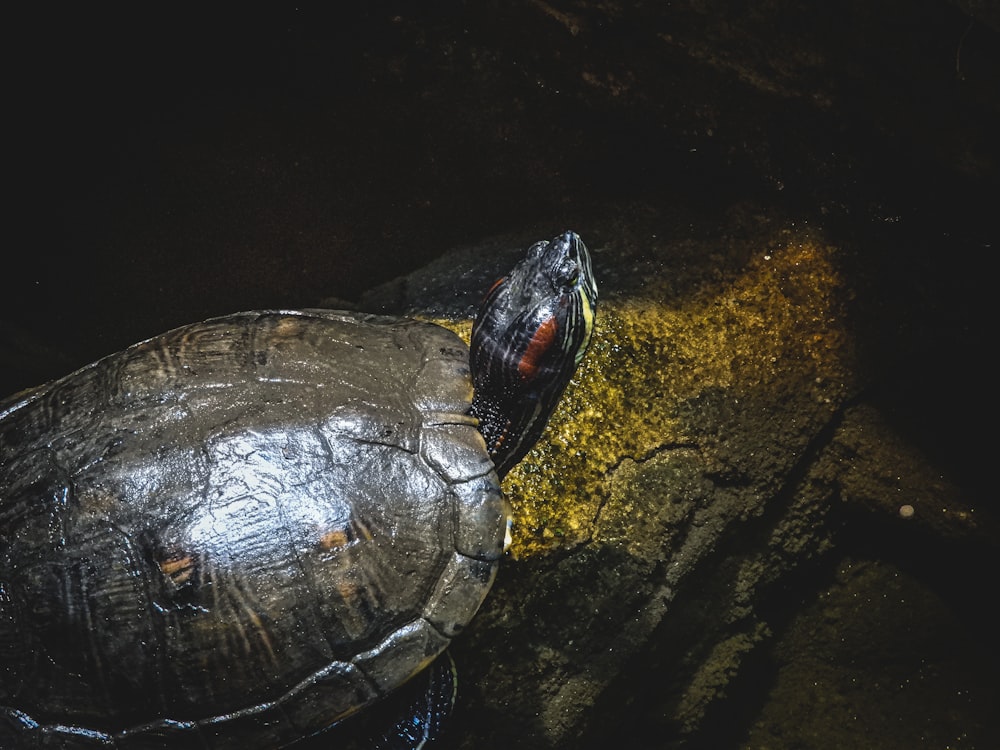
{"x": 529, "y": 336}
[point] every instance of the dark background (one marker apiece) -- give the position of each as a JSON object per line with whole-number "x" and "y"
{"x": 167, "y": 167}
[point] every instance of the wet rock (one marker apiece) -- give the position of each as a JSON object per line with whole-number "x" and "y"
{"x": 716, "y": 457}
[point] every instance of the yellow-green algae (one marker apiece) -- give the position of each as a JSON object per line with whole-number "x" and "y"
{"x": 778, "y": 317}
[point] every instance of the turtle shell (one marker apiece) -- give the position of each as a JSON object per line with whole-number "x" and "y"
{"x": 240, "y": 532}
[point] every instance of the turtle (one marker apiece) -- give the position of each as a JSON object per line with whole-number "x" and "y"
{"x": 240, "y": 532}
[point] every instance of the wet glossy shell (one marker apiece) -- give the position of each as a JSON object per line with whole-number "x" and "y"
{"x": 239, "y": 532}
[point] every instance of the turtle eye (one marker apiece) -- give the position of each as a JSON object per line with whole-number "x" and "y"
{"x": 569, "y": 273}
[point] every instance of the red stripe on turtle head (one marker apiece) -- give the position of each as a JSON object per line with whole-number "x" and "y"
{"x": 540, "y": 343}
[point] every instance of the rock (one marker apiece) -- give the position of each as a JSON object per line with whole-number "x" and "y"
{"x": 717, "y": 455}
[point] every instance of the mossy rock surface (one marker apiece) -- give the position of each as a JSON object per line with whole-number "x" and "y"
{"x": 710, "y": 452}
